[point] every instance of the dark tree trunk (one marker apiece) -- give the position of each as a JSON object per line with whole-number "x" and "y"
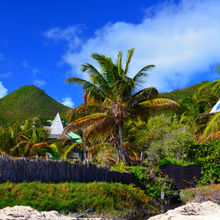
{"x": 118, "y": 153}
{"x": 122, "y": 147}
{"x": 115, "y": 144}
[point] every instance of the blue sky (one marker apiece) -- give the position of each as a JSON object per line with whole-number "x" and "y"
{"x": 44, "y": 42}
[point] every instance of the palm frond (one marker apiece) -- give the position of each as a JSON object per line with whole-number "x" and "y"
{"x": 210, "y": 90}
{"x": 103, "y": 127}
{"x": 96, "y": 77}
{"x": 19, "y": 146}
{"x": 130, "y": 54}
{"x": 107, "y": 67}
{"x": 138, "y": 110}
{"x": 40, "y": 147}
{"x": 119, "y": 60}
{"x": 144, "y": 95}
{"x": 139, "y": 77}
{"x": 213, "y": 126}
{"x": 53, "y": 150}
{"x": 88, "y": 86}
{"x": 159, "y": 103}
{"x": 125, "y": 88}
{"x": 79, "y": 112}
{"x": 69, "y": 150}
{"x": 79, "y": 123}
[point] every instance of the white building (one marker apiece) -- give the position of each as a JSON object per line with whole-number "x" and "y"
{"x": 216, "y": 108}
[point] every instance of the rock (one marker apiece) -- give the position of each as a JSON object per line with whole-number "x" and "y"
{"x": 192, "y": 211}
{"x": 26, "y": 212}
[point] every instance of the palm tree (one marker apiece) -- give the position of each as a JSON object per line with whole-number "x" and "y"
{"x": 117, "y": 95}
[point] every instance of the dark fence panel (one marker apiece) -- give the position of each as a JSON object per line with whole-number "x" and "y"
{"x": 49, "y": 171}
{"x": 183, "y": 176}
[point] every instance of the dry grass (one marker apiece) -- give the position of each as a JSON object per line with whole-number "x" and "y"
{"x": 201, "y": 194}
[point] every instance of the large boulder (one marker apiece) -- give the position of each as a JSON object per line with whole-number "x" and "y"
{"x": 26, "y": 212}
{"x": 192, "y": 211}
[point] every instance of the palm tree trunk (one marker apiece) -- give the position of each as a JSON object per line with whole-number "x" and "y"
{"x": 118, "y": 153}
{"x": 115, "y": 143}
{"x": 121, "y": 135}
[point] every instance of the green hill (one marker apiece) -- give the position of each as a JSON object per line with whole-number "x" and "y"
{"x": 185, "y": 98}
{"x": 28, "y": 102}
{"x": 180, "y": 94}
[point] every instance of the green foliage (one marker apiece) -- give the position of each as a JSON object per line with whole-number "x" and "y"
{"x": 28, "y": 102}
{"x": 23, "y": 141}
{"x": 185, "y": 98}
{"x": 180, "y": 94}
{"x": 168, "y": 137}
{"x": 30, "y": 139}
{"x": 104, "y": 198}
{"x": 207, "y": 155}
{"x": 209, "y": 92}
{"x": 169, "y": 160}
{"x": 212, "y": 130}
{"x": 151, "y": 182}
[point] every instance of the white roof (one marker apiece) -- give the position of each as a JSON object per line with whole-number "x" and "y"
{"x": 216, "y": 108}
{"x": 56, "y": 128}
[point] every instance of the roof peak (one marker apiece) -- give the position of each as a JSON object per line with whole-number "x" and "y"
{"x": 57, "y": 126}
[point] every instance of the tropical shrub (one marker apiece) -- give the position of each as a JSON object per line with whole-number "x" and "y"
{"x": 207, "y": 155}
{"x": 151, "y": 181}
{"x": 31, "y": 139}
{"x": 170, "y": 160}
{"x": 167, "y": 137}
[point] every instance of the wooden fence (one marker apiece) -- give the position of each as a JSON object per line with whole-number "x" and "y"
{"x": 49, "y": 171}
{"x": 183, "y": 177}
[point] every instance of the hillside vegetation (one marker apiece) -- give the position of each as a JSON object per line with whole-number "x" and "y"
{"x": 186, "y": 98}
{"x": 28, "y": 102}
{"x": 186, "y": 93}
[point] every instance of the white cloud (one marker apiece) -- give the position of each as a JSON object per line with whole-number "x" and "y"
{"x": 67, "y": 101}
{"x": 3, "y": 90}
{"x": 69, "y": 34}
{"x": 25, "y": 64}
{"x": 5, "y": 75}
{"x": 183, "y": 41}
{"x": 39, "y": 83}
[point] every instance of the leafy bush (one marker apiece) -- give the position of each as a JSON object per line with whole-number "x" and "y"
{"x": 170, "y": 138}
{"x": 208, "y": 155}
{"x": 169, "y": 160}
{"x": 150, "y": 180}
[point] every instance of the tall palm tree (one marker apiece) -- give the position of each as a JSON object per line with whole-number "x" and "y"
{"x": 117, "y": 95}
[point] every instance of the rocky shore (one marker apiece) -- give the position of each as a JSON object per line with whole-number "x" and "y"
{"x": 192, "y": 211}
{"x": 26, "y": 212}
